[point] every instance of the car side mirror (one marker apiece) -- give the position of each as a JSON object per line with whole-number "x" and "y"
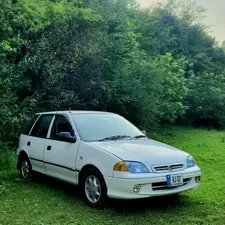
{"x": 144, "y": 132}
{"x": 67, "y": 137}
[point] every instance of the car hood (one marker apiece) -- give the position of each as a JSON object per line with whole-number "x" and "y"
{"x": 146, "y": 151}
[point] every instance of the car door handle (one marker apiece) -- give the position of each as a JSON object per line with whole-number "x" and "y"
{"x": 28, "y": 143}
{"x": 49, "y": 148}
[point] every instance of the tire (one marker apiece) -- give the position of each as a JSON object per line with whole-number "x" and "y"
{"x": 26, "y": 169}
{"x": 94, "y": 188}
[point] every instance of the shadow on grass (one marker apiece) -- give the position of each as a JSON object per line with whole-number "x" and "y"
{"x": 156, "y": 203}
{"x": 117, "y": 205}
{"x": 69, "y": 190}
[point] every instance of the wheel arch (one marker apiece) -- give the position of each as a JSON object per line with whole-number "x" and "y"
{"x": 85, "y": 168}
{"x": 21, "y": 156}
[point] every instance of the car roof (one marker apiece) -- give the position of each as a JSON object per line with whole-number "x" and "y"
{"x": 76, "y": 112}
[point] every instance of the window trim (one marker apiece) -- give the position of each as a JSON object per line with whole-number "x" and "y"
{"x": 50, "y": 114}
{"x": 34, "y": 124}
{"x": 50, "y": 128}
{"x": 38, "y": 115}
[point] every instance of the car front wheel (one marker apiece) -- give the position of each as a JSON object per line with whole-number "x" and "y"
{"x": 94, "y": 188}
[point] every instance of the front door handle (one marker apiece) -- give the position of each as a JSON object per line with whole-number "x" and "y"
{"x": 49, "y": 148}
{"x": 28, "y": 143}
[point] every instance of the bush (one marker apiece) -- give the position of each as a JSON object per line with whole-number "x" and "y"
{"x": 7, "y": 158}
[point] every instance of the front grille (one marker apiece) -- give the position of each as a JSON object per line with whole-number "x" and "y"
{"x": 168, "y": 168}
{"x": 163, "y": 185}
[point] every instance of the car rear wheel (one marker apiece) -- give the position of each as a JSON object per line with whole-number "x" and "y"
{"x": 94, "y": 188}
{"x": 25, "y": 169}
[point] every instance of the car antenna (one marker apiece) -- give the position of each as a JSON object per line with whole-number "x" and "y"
{"x": 69, "y": 110}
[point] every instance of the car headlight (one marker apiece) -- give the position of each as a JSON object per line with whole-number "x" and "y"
{"x": 191, "y": 161}
{"x": 132, "y": 167}
{"x": 136, "y": 167}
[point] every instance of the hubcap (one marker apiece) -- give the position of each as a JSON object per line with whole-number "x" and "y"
{"x": 25, "y": 169}
{"x": 92, "y": 189}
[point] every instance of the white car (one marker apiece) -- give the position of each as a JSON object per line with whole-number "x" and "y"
{"x": 105, "y": 155}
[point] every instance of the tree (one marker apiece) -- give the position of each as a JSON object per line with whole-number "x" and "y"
{"x": 105, "y": 55}
{"x": 206, "y": 100}
{"x": 223, "y": 44}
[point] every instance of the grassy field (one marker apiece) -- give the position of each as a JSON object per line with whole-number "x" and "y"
{"x": 46, "y": 201}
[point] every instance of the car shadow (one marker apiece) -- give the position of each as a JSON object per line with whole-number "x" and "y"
{"x": 57, "y": 185}
{"x": 117, "y": 205}
{"x": 154, "y": 203}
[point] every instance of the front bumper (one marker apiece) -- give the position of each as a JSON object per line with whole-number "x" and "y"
{"x": 151, "y": 186}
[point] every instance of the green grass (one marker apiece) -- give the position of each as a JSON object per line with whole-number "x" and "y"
{"x": 46, "y": 201}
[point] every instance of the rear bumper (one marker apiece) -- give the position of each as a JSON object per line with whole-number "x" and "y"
{"x": 123, "y": 188}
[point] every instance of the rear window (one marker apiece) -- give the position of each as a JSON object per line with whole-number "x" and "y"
{"x": 41, "y": 127}
{"x": 27, "y": 128}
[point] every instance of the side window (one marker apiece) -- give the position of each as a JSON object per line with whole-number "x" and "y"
{"x": 27, "y": 128}
{"x": 41, "y": 127}
{"x": 61, "y": 124}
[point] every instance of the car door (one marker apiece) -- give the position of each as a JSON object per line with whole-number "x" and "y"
{"x": 60, "y": 156}
{"x": 37, "y": 141}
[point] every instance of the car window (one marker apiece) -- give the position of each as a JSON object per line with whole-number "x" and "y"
{"x": 41, "y": 127}
{"x": 94, "y": 127}
{"x": 61, "y": 124}
{"x": 27, "y": 128}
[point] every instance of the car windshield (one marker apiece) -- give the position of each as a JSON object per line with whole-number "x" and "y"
{"x": 100, "y": 127}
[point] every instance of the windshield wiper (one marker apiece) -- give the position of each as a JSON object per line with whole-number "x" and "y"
{"x": 115, "y": 137}
{"x": 139, "y": 136}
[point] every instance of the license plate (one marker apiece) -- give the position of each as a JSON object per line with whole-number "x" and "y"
{"x": 174, "y": 180}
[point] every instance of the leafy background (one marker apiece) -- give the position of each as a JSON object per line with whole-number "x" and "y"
{"x": 154, "y": 66}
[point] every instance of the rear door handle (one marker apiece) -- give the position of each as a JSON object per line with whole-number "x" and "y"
{"x": 28, "y": 143}
{"x": 49, "y": 148}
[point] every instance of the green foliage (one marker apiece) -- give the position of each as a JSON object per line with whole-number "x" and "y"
{"x": 206, "y": 100}
{"x": 7, "y": 158}
{"x": 104, "y": 55}
{"x": 223, "y": 44}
